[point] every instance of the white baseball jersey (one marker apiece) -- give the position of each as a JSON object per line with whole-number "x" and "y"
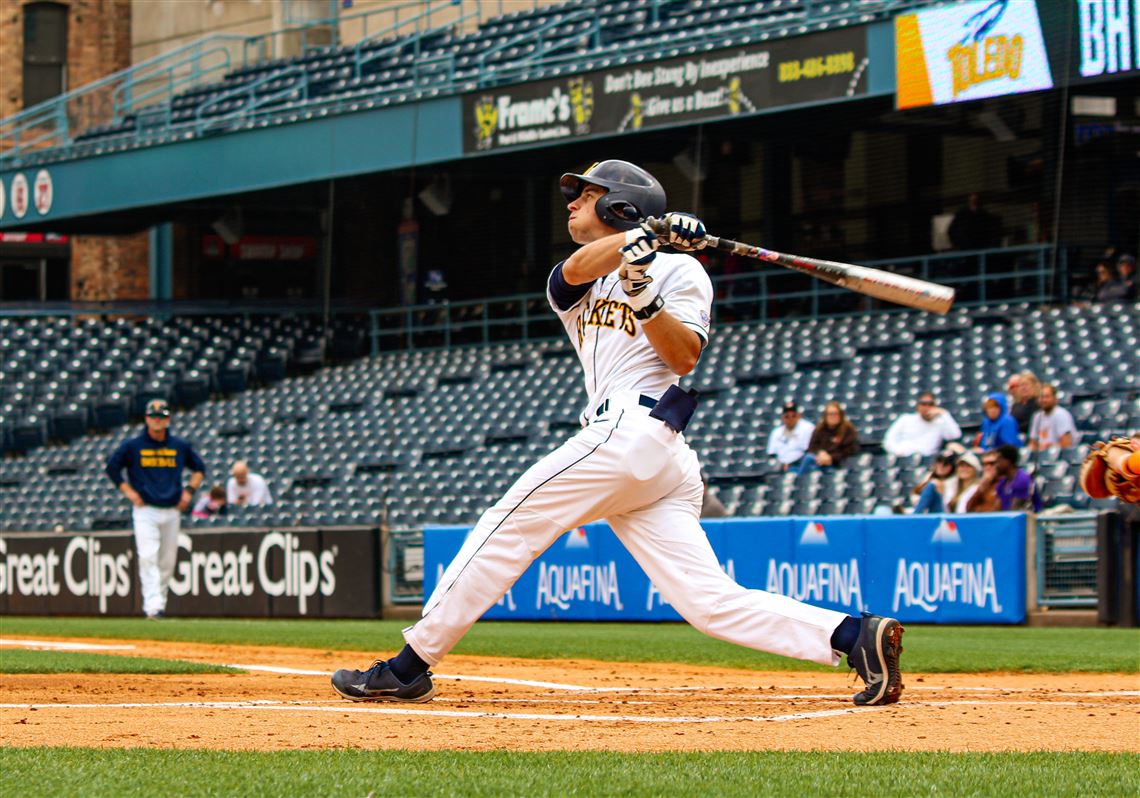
{"x": 614, "y": 351}
{"x": 632, "y": 470}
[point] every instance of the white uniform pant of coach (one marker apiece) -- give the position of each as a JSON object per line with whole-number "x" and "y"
{"x": 156, "y": 540}
{"x": 642, "y": 477}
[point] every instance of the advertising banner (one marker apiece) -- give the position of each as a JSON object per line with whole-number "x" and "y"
{"x": 933, "y": 569}
{"x": 1092, "y": 40}
{"x": 957, "y": 53}
{"x": 624, "y": 99}
{"x": 311, "y": 573}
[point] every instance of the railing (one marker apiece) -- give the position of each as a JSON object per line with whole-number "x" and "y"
{"x": 149, "y": 88}
{"x": 540, "y": 38}
{"x": 1066, "y": 560}
{"x": 756, "y": 295}
{"x": 760, "y": 294}
{"x": 253, "y": 99}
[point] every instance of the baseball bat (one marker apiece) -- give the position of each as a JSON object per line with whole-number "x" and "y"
{"x": 897, "y": 288}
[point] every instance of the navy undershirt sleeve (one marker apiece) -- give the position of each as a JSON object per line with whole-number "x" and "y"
{"x": 565, "y": 296}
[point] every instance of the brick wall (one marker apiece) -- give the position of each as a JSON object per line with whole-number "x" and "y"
{"x": 98, "y": 44}
{"x": 11, "y": 57}
{"x": 110, "y": 267}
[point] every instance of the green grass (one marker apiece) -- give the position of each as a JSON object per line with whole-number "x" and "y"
{"x": 937, "y": 649}
{"x": 15, "y": 660}
{"x": 139, "y": 772}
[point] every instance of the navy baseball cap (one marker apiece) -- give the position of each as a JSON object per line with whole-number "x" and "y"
{"x": 158, "y": 408}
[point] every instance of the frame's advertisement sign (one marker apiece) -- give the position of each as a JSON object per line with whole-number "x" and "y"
{"x": 985, "y": 48}
{"x": 928, "y": 568}
{"x": 720, "y": 83}
{"x": 325, "y": 573}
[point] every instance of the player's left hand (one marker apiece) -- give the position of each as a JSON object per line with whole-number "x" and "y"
{"x": 640, "y": 248}
{"x": 686, "y": 232}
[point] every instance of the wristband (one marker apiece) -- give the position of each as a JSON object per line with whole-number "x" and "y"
{"x": 649, "y": 311}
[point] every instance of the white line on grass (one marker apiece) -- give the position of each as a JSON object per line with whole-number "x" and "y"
{"x": 64, "y": 646}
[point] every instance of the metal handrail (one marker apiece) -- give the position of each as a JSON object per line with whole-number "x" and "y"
{"x": 537, "y": 35}
{"x": 17, "y": 136}
{"x": 55, "y": 112}
{"x": 254, "y": 101}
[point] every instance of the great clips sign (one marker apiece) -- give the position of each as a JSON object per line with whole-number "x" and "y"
{"x": 280, "y": 574}
{"x": 935, "y": 569}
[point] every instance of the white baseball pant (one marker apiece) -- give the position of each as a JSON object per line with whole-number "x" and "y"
{"x": 156, "y": 539}
{"x": 644, "y": 479}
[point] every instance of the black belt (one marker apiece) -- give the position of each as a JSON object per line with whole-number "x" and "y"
{"x": 643, "y": 400}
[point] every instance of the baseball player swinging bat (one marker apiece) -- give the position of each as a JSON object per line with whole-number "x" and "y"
{"x": 877, "y": 283}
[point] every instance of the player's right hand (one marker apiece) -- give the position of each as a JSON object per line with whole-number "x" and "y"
{"x": 640, "y": 248}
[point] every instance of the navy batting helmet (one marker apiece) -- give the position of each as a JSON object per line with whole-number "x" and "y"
{"x": 631, "y": 192}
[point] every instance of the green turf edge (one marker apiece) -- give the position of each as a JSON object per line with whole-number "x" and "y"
{"x": 15, "y": 660}
{"x": 930, "y": 649}
{"x": 146, "y": 772}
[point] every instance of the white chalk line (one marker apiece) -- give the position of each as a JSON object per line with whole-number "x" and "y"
{"x": 64, "y": 646}
{"x": 451, "y": 713}
{"x": 276, "y": 706}
{"x": 44, "y": 644}
{"x": 579, "y": 688}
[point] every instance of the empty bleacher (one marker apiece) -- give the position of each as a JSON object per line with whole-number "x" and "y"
{"x": 434, "y": 436}
{"x": 525, "y": 44}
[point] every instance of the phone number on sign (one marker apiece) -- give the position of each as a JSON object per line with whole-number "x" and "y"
{"x": 834, "y": 64}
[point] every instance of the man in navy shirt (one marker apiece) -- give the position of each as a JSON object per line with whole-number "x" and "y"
{"x": 154, "y": 460}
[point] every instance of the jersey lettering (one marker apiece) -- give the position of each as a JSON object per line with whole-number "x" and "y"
{"x": 158, "y": 458}
{"x": 607, "y": 313}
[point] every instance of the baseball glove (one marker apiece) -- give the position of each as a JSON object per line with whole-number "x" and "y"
{"x": 1112, "y": 469}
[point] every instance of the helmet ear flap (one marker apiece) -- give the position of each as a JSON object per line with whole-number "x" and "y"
{"x": 619, "y": 213}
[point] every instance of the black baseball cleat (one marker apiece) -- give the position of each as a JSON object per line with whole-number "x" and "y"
{"x": 876, "y": 660}
{"x": 378, "y": 683}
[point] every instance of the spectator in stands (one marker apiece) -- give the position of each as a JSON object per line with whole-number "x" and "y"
{"x": 923, "y": 431}
{"x": 998, "y": 426}
{"x": 789, "y": 440}
{"x": 1013, "y": 486}
{"x": 985, "y": 498}
{"x": 1053, "y": 425}
{"x": 212, "y": 503}
{"x": 246, "y": 488}
{"x": 833, "y": 440}
{"x": 940, "y": 485}
{"x": 1107, "y": 287}
{"x": 1024, "y": 389}
{"x": 973, "y": 227}
{"x": 1126, "y": 273}
{"x": 969, "y": 473}
{"x": 711, "y": 505}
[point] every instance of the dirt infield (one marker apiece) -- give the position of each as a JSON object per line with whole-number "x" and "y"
{"x": 284, "y": 702}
